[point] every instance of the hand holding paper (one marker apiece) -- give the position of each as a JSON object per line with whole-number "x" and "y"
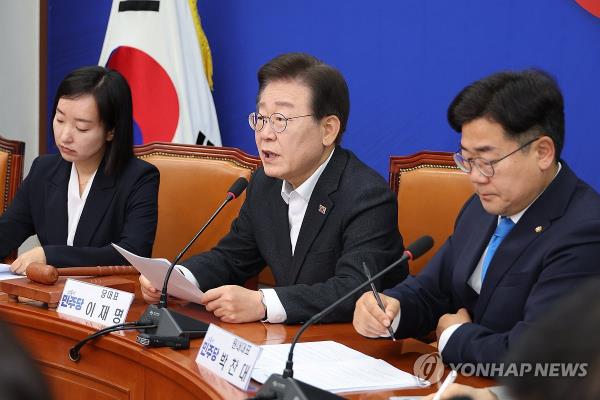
{"x": 155, "y": 269}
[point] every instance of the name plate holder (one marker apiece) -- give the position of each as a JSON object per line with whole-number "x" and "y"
{"x": 229, "y": 356}
{"x": 50, "y": 295}
{"x": 93, "y": 303}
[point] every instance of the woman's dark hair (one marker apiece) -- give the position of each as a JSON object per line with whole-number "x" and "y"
{"x": 113, "y": 99}
{"x": 526, "y": 103}
{"x": 330, "y": 95}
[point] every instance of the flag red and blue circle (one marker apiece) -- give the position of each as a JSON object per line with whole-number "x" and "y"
{"x": 155, "y": 102}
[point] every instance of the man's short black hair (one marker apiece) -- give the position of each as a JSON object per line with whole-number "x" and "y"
{"x": 526, "y": 103}
{"x": 330, "y": 95}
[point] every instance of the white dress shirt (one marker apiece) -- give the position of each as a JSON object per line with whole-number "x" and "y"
{"x": 75, "y": 202}
{"x": 297, "y": 201}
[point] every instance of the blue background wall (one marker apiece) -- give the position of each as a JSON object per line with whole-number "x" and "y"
{"x": 404, "y": 61}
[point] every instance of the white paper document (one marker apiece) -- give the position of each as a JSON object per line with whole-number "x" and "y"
{"x": 155, "y": 269}
{"x": 332, "y": 366}
{"x": 5, "y": 273}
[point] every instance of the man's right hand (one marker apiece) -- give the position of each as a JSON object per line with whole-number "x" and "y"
{"x": 150, "y": 293}
{"x": 370, "y": 320}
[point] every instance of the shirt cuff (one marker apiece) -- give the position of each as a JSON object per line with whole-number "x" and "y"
{"x": 275, "y": 311}
{"x": 500, "y": 392}
{"x": 187, "y": 274}
{"x": 445, "y": 336}
{"x": 395, "y": 324}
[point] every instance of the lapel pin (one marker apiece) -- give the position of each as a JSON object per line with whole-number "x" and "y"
{"x": 538, "y": 229}
{"x": 322, "y": 209}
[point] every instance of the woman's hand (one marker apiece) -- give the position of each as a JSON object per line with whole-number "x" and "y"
{"x": 19, "y": 266}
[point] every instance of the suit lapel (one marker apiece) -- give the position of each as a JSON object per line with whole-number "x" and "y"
{"x": 99, "y": 198}
{"x": 470, "y": 255}
{"x": 511, "y": 248}
{"x": 56, "y": 228}
{"x": 532, "y": 225}
{"x": 319, "y": 207}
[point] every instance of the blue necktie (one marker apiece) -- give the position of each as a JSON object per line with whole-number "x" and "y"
{"x": 505, "y": 225}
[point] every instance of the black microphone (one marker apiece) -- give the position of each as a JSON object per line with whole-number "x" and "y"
{"x": 164, "y": 327}
{"x": 174, "y": 329}
{"x": 284, "y": 386}
{"x": 234, "y": 191}
{"x": 237, "y": 188}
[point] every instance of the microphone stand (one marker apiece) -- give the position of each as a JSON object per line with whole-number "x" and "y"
{"x": 284, "y": 386}
{"x": 173, "y": 329}
{"x": 163, "y": 327}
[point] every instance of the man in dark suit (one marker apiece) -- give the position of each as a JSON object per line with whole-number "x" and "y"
{"x": 529, "y": 235}
{"x": 313, "y": 212}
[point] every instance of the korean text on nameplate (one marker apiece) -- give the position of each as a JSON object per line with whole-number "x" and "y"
{"x": 94, "y": 303}
{"x": 229, "y": 356}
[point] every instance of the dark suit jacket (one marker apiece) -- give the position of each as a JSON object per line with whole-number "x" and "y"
{"x": 553, "y": 248}
{"x": 121, "y": 209}
{"x": 359, "y": 223}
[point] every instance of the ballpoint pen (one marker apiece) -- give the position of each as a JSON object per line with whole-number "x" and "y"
{"x": 377, "y": 298}
{"x": 447, "y": 382}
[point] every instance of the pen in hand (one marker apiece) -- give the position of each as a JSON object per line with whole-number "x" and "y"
{"x": 377, "y": 298}
{"x": 447, "y": 382}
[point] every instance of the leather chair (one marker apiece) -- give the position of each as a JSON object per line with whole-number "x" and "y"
{"x": 193, "y": 182}
{"x": 431, "y": 191}
{"x": 12, "y": 153}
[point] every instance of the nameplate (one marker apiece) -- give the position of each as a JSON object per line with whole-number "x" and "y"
{"x": 229, "y": 356}
{"x": 94, "y": 303}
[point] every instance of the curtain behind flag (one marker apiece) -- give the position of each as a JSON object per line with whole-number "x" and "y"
{"x": 159, "y": 46}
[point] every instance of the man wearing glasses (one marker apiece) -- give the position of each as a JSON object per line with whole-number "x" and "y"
{"x": 529, "y": 235}
{"x": 313, "y": 213}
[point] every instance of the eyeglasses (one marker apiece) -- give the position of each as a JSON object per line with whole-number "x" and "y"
{"x": 278, "y": 121}
{"x": 484, "y": 166}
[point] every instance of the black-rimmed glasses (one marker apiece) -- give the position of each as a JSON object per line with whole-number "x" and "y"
{"x": 484, "y": 166}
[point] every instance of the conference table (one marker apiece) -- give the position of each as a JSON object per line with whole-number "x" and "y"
{"x": 116, "y": 367}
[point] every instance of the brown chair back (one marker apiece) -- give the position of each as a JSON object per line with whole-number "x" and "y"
{"x": 193, "y": 182}
{"x": 431, "y": 191}
{"x": 12, "y": 156}
{"x": 12, "y": 153}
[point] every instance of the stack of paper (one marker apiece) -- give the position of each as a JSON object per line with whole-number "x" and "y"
{"x": 6, "y": 274}
{"x": 334, "y": 367}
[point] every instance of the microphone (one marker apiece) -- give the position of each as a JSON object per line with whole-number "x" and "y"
{"x": 164, "y": 327}
{"x": 284, "y": 386}
{"x": 236, "y": 189}
{"x": 234, "y": 192}
{"x": 173, "y": 329}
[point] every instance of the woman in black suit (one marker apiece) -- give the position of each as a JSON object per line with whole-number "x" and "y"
{"x": 95, "y": 192}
